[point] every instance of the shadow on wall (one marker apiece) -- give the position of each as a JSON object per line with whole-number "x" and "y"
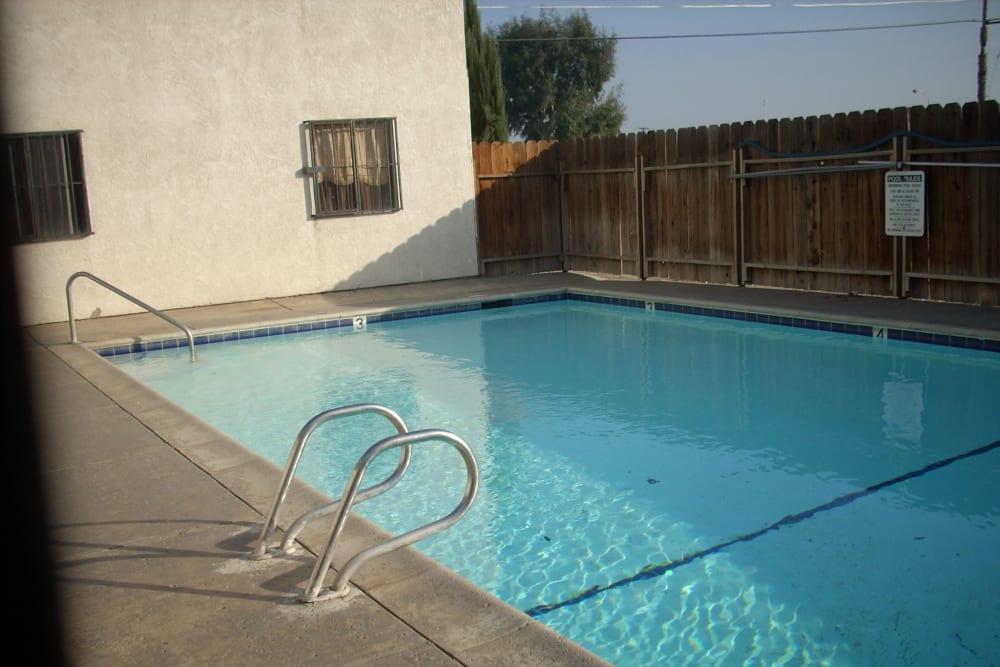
{"x": 445, "y": 249}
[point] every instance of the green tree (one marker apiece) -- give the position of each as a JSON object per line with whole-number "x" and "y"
{"x": 555, "y": 69}
{"x": 486, "y": 95}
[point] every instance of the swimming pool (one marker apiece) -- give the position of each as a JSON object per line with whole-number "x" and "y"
{"x": 711, "y": 491}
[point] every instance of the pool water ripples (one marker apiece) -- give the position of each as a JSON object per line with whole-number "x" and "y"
{"x": 662, "y": 489}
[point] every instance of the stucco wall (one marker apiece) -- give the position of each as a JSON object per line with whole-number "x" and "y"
{"x": 191, "y": 110}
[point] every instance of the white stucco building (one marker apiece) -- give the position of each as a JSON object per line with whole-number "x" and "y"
{"x": 213, "y": 172}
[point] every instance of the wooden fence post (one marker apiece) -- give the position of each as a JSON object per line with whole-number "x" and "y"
{"x": 563, "y": 239}
{"x": 737, "y": 198}
{"x": 741, "y": 218}
{"x": 640, "y": 208}
{"x": 899, "y": 282}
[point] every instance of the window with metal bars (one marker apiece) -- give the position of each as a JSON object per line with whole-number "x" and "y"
{"x": 354, "y": 166}
{"x": 44, "y": 191}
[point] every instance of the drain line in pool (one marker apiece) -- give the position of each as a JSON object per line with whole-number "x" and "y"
{"x": 658, "y": 569}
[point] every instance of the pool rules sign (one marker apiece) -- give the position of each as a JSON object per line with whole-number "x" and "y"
{"x": 904, "y": 203}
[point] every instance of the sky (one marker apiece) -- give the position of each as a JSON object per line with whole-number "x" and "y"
{"x": 675, "y": 71}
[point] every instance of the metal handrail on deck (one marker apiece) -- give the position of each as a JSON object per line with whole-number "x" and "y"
{"x": 124, "y": 295}
{"x": 404, "y": 441}
{"x": 313, "y": 591}
{"x": 264, "y": 548}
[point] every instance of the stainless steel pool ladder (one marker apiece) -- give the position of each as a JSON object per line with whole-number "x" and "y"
{"x": 404, "y": 440}
{"x": 124, "y": 295}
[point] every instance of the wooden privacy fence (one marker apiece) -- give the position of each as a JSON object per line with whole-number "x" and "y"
{"x": 796, "y": 203}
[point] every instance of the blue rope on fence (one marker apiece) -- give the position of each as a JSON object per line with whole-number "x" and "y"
{"x": 875, "y": 144}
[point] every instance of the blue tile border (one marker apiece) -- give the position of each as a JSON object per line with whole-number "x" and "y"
{"x": 946, "y": 340}
{"x": 730, "y": 314}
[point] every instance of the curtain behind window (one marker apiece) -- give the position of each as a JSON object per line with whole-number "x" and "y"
{"x": 355, "y": 166}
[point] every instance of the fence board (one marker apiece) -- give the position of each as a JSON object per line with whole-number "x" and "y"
{"x": 847, "y": 223}
{"x": 656, "y": 202}
{"x": 680, "y": 243}
{"x": 714, "y": 205}
{"x": 852, "y": 222}
{"x": 989, "y": 216}
{"x": 702, "y": 204}
{"x": 877, "y": 251}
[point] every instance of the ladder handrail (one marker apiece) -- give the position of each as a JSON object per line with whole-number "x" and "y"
{"x": 124, "y": 295}
{"x": 339, "y": 588}
{"x": 295, "y": 455}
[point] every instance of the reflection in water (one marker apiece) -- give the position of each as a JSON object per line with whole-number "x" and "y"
{"x": 902, "y": 411}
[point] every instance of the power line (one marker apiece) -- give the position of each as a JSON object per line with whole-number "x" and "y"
{"x": 763, "y": 33}
{"x": 718, "y": 5}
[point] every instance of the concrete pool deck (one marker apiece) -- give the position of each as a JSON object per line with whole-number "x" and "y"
{"x": 152, "y": 512}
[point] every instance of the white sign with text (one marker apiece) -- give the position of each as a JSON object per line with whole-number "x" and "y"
{"x": 904, "y": 203}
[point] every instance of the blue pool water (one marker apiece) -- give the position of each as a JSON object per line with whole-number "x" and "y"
{"x": 664, "y": 489}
